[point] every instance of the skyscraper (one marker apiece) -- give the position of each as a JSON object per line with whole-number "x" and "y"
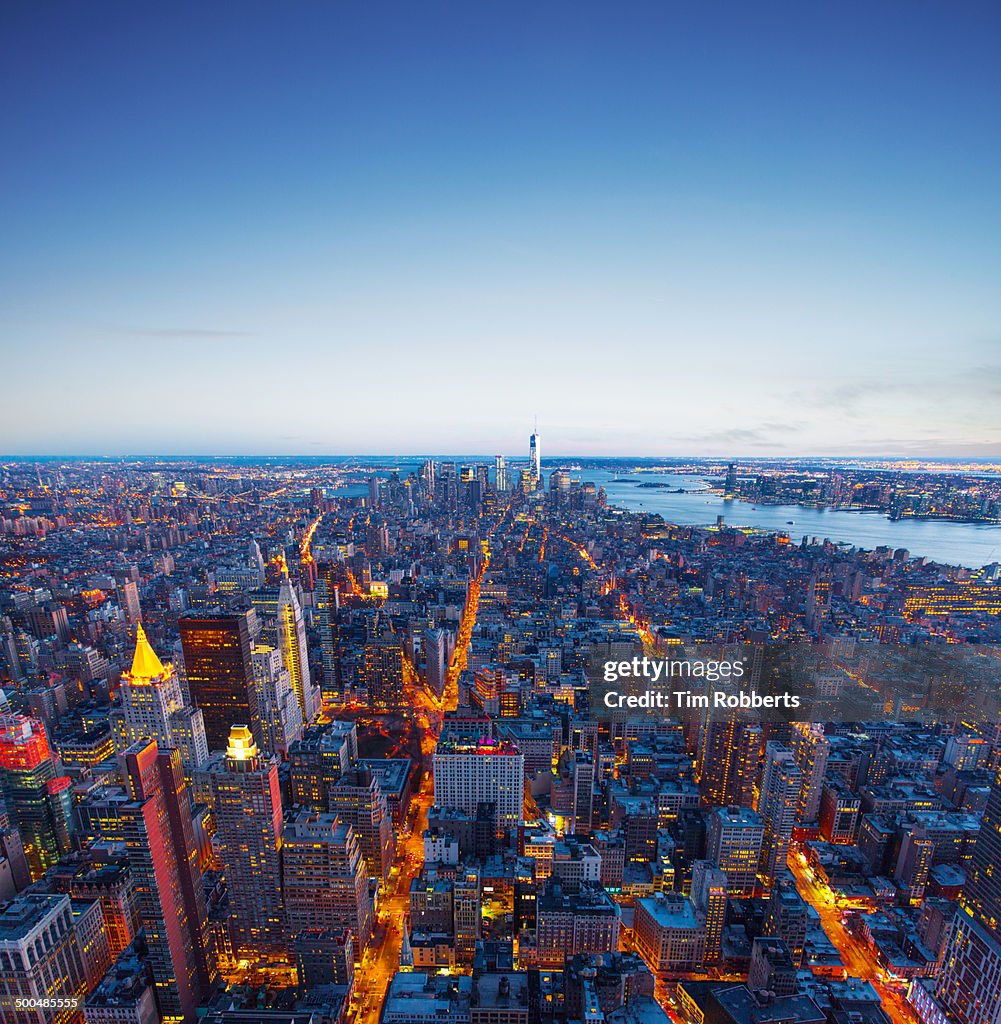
{"x": 32, "y": 792}
{"x": 295, "y": 654}
{"x": 969, "y": 986}
{"x": 466, "y": 910}
{"x": 326, "y": 882}
{"x": 709, "y": 898}
{"x": 778, "y": 802}
{"x": 468, "y": 773}
{"x": 435, "y": 660}
{"x": 41, "y": 958}
{"x": 982, "y": 891}
{"x": 256, "y": 560}
{"x": 358, "y": 800}
{"x": 281, "y": 715}
{"x": 327, "y": 599}
{"x": 734, "y": 846}
{"x": 218, "y": 663}
{"x": 811, "y": 749}
{"x": 248, "y": 811}
{"x": 154, "y": 708}
{"x": 128, "y": 595}
{"x": 730, "y": 486}
{"x": 163, "y": 857}
{"x": 383, "y": 672}
{"x": 728, "y": 757}
{"x": 535, "y": 457}
{"x": 786, "y": 916}
{"x": 500, "y": 474}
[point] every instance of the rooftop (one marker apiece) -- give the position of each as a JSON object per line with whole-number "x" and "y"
{"x": 21, "y": 915}
{"x": 670, "y": 910}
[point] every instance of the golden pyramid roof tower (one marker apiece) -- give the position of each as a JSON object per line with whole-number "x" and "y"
{"x": 145, "y": 664}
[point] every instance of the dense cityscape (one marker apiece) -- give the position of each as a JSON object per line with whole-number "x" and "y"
{"x": 312, "y": 741}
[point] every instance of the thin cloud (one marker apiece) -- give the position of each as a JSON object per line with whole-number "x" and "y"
{"x": 193, "y": 333}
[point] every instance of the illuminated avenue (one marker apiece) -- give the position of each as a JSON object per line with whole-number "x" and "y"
{"x": 313, "y": 742}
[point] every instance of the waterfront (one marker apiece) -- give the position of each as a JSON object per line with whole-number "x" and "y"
{"x": 954, "y": 543}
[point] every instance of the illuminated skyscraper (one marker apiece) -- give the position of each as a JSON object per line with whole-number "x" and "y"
{"x": 734, "y": 845}
{"x": 383, "y": 672}
{"x": 709, "y": 897}
{"x": 248, "y": 811}
{"x": 728, "y": 757}
{"x": 357, "y": 798}
{"x": 500, "y": 473}
{"x": 163, "y": 857}
{"x": 154, "y": 708}
{"x": 969, "y": 985}
{"x": 467, "y": 913}
{"x": 327, "y": 598}
{"x": 36, "y": 799}
{"x": 811, "y": 749}
{"x": 219, "y": 667}
{"x": 778, "y": 802}
{"x": 428, "y": 476}
{"x": 435, "y": 660}
{"x": 535, "y": 458}
{"x": 982, "y": 891}
{"x": 41, "y": 958}
{"x": 281, "y": 715}
{"x": 559, "y": 484}
{"x": 111, "y": 883}
{"x": 326, "y": 882}
{"x": 468, "y": 773}
{"x": 730, "y": 487}
{"x": 295, "y": 654}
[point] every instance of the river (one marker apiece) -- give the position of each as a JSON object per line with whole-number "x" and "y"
{"x": 970, "y": 544}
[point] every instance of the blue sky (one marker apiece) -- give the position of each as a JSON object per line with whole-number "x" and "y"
{"x": 736, "y": 229}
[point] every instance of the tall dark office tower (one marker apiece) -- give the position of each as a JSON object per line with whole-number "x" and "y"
{"x": 219, "y": 666}
{"x": 383, "y": 672}
{"x": 709, "y": 896}
{"x": 435, "y": 660}
{"x": 164, "y": 860}
{"x": 730, "y": 487}
{"x": 969, "y": 986}
{"x": 38, "y": 802}
{"x": 327, "y": 598}
{"x": 728, "y": 758}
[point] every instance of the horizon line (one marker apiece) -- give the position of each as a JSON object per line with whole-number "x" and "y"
{"x": 145, "y": 456}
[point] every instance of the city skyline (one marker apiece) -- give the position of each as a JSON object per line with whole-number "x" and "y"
{"x": 380, "y": 747}
{"x": 663, "y": 231}
{"x": 500, "y": 513}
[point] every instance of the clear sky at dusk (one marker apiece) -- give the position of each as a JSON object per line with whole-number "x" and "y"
{"x": 665, "y": 228}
